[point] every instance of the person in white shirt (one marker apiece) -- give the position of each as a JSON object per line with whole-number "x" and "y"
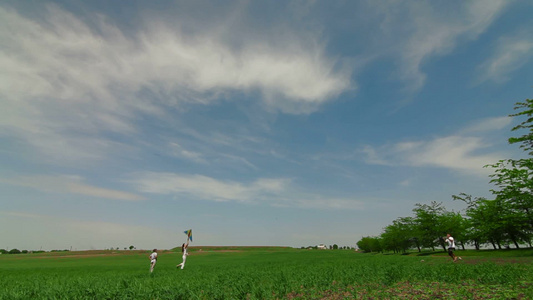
{"x": 153, "y": 260}
{"x": 451, "y": 247}
{"x": 184, "y": 247}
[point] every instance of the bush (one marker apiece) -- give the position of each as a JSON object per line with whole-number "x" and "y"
{"x": 14, "y": 251}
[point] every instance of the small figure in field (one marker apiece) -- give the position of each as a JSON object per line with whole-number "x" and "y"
{"x": 451, "y": 247}
{"x": 153, "y": 260}
{"x": 184, "y": 247}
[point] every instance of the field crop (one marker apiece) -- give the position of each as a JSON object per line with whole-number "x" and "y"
{"x": 267, "y": 273}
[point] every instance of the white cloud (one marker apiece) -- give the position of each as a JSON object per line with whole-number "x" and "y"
{"x": 324, "y": 202}
{"x": 511, "y": 53}
{"x": 373, "y": 157}
{"x": 70, "y": 184}
{"x": 421, "y": 30}
{"x": 64, "y": 84}
{"x": 206, "y": 64}
{"x": 468, "y": 150}
{"x": 405, "y": 183}
{"x": 454, "y": 152}
{"x": 179, "y": 151}
{"x": 207, "y": 188}
{"x": 489, "y": 124}
{"x": 271, "y": 191}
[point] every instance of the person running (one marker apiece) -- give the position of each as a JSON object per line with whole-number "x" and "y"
{"x": 184, "y": 247}
{"x": 451, "y": 247}
{"x": 153, "y": 260}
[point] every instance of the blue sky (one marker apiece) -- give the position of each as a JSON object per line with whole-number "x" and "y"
{"x": 289, "y": 123}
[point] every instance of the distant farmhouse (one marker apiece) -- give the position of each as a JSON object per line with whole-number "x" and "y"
{"x": 322, "y": 246}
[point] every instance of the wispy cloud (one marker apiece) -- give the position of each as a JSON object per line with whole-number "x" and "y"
{"x": 510, "y": 54}
{"x": 179, "y": 151}
{"x": 207, "y": 188}
{"x": 428, "y": 29}
{"x": 454, "y": 152}
{"x": 325, "y": 202}
{"x": 373, "y": 157}
{"x": 270, "y": 191}
{"x": 67, "y": 84}
{"x": 489, "y": 124}
{"x": 70, "y": 184}
{"x": 212, "y": 147}
{"x": 467, "y": 150}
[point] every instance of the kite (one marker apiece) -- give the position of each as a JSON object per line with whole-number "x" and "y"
{"x": 189, "y": 234}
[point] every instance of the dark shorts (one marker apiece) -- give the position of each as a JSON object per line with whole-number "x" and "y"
{"x": 450, "y": 251}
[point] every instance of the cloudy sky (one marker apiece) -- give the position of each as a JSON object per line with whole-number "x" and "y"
{"x": 289, "y": 123}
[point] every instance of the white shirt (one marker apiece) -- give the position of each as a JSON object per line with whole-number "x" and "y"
{"x": 451, "y": 242}
{"x": 153, "y": 256}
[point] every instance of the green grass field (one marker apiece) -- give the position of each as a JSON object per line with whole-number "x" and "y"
{"x": 267, "y": 273}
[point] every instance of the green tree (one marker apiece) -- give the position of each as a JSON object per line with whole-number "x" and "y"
{"x": 369, "y": 244}
{"x": 428, "y": 224}
{"x": 454, "y": 224}
{"x": 526, "y": 140}
{"x": 496, "y": 217}
{"x": 377, "y": 244}
{"x": 399, "y": 236}
{"x": 514, "y": 180}
{"x": 475, "y": 230}
{"x": 509, "y": 217}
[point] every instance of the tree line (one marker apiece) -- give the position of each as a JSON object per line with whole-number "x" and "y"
{"x": 330, "y": 247}
{"x": 504, "y": 220}
{"x": 17, "y": 251}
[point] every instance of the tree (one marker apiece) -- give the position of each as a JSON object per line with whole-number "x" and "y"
{"x": 527, "y": 139}
{"x": 509, "y": 217}
{"x": 497, "y": 220}
{"x": 475, "y": 229}
{"x": 132, "y": 247}
{"x": 377, "y": 244}
{"x": 14, "y": 251}
{"x": 428, "y": 223}
{"x": 411, "y": 232}
{"x": 454, "y": 224}
{"x": 399, "y": 235}
{"x": 514, "y": 178}
{"x": 370, "y": 244}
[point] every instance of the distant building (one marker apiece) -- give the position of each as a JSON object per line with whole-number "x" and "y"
{"x": 322, "y": 246}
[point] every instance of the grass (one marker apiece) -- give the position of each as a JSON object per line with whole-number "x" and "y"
{"x": 526, "y": 252}
{"x": 266, "y": 273}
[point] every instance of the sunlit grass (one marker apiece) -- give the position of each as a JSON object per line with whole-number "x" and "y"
{"x": 264, "y": 274}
